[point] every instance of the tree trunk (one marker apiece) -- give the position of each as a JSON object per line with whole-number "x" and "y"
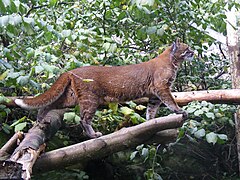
{"x": 234, "y": 54}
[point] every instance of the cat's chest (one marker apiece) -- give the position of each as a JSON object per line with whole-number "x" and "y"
{"x": 171, "y": 77}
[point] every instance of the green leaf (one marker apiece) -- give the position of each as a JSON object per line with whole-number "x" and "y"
{"x": 2, "y": 7}
{"x": 112, "y": 48}
{"x": 144, "y": 152}
{"x": 6, "y": 128}
{"x": 38, "y": 69}
{"x": 28, "y": 28}
{"x": 77, "y": 119}
{"x": 126, "y": 111}
{"x": 151, "y": 30}
{"x": 135, "y": 118}
{"x": 212, "y": 137}
{"x": 133, "y": 155}
{"x": 52, "y": 3}
{"x": 13, "y": 6}
{"x": 113, "y": 107}
{"x": 222, "y": 136}
{"x": 4, "y": 75}
{"x": 200, "y": 133}
{"x": 210, "y": 115}
{"x": 66, "y": 33}
{"x": 69, "y": 116}
{"x": 20, "y": 126}
{"x": 4, "y": 20}
{"x": 4, "y": 99}
{"x": 18, "y": 121}
{"x": 131, "y": 104}
{"x": 6, "y": 2}
{"x": 204, "y": 103}
{"x": 140, "y": 107}
{"x": 23, "y": 80}
{"x": 191, "y": 109}
{"x": 106, "y": 46}
{"x": 198, "y": 112}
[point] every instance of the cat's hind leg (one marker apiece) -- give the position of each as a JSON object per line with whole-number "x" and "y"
{"x": 88, "y": 107}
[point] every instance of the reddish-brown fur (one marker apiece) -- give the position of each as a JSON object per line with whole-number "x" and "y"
{"x": 94, "y": 85}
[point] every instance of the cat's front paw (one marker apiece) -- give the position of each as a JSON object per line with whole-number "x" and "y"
{"x": 184, "y": 113}
{"x": 93, "y": 135}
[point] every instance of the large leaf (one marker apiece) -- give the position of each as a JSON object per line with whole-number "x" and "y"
{"x": 212, "y": 137}
{"x": 200, "y": 133}
{"x": 126, "y": 111}
{"x": 20, "y": 126}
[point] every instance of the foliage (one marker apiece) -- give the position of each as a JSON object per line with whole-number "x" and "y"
{"x": 207, "y": 120}
{"x": 41, "y": 39}
{"x": 63, "y": 174}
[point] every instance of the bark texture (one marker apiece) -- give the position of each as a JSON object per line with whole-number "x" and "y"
{"x": 111, "y": 143}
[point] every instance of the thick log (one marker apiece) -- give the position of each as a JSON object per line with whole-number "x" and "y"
{"x": 227, "y": 96}
{"x": 9, "y": 147}
{"x": 108, "y": 144}
{"x": 34, "y": 142}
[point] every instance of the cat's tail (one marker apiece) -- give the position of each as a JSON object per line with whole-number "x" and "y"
{"x": 47, "y": 98}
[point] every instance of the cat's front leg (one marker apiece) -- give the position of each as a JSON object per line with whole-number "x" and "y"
{"x": 166, "y": 97}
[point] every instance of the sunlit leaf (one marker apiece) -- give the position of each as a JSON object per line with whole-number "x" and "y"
{"x": 198, "y": 112}
{"x": 113, "y": 107}
{"x": 200, "y": 133}
{"x": 210, "y": 115}
{"x": 23, "y": 80}
{"x": 66, "y": 33}
{"x": 222, "y": 136}
{"x": 87, "y": 80}
{"x": 4, "y": 75}
{"x": 20, "y": 126}
{"x": 212, "y": 137}
{"x": 126, "y": 111}
{"x": 133, "y": 155}
{"x": 140, "y": 107}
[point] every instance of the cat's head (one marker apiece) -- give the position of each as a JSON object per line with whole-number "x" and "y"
{"x": 181, "y": 51}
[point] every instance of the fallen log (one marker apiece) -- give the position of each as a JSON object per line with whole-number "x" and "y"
{"x": 9, "y": 147}
{"x": 226, "y": 96}
{"x": 108, "y": 144}
{"x": 26, "y": 154}
{"x": 32, "y": 145}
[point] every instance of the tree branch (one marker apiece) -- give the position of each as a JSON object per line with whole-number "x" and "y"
{"x": 227, "y": 96}
{"x": 108, "y": 144}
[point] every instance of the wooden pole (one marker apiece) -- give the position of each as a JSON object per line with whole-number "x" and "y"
{"x": 233, "y": 42}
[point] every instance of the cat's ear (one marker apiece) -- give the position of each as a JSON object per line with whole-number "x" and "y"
{"x": 177, "y": 41}
{"x": 174, "y": 48}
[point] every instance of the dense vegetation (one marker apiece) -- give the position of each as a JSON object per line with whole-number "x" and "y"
{"x": 40, "y": 39}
